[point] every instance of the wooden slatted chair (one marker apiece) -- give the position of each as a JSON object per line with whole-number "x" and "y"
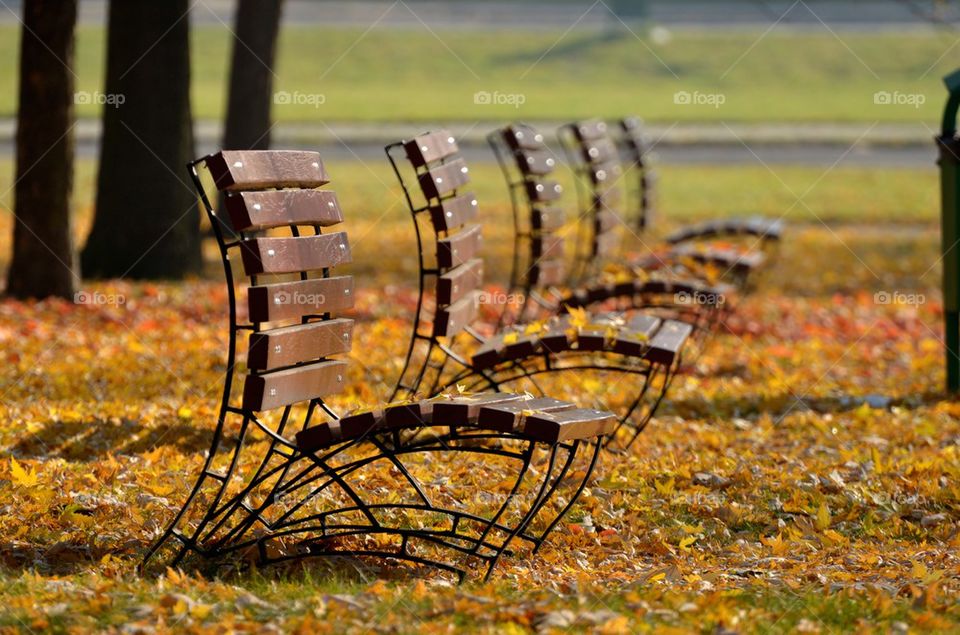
{"x": 549, "y": 286}
{"x": 593, "y": 154}
{"x": 637, "y": 161}
{"x": 286, "y": 478}
{"x": 447, "y": 348}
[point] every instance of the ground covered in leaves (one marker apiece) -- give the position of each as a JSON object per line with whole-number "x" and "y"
{"x": 802, "y": 476}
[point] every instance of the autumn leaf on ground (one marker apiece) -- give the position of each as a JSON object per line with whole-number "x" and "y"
{"x": 21, "y": 476}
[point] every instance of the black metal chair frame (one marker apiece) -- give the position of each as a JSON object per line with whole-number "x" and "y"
{"x": 658, "y": 296}
{"x": 228, "y": 523}
{"x": 638, "y": 163}
{"x": 432, "y": 366}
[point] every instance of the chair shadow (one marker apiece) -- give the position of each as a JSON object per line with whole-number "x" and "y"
{"x": 84, "y": 441}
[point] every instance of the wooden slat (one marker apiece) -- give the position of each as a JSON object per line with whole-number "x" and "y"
{"x": 523, "y": 136}
{"x": 287, "y": 255}
{"x": 547, "y": 273}
{"x": 568, "y": 425}
{"x": 631, "y": 123}
{"x": 599, "y": 151}
{"x": 538, "y": 162}
{"x": 460, "y": 281}
{"x": 607, "y": 197}
{"x": 728, "y": 258}
{"x": 412, "y": 414}
{"x": 287, "y": 300}
{"x": 543, "y": 191}
{"x": 604, "y": 220}
{"x": 431, "y": 147}
{"x": 318, "y": 436}
{"x": 234, "y": 170}
{"x": 521, "y": 347}
{"x": 452, "y": 319}
{"x": 289, "y": 345}
{"x": 488, "y": 354}
{"x": 275, "y": 208}
{"x": 547, "y": 247}
{"x": 591, "y": 129}
{"x": 753, "y": 226}
{"x": 465, "y": 410}
{"x": 285, "y": 387}
{"x": 511, "y": 416}
{"x": 604, "y": 173}
{"x": 668, "y": 340}
{"x": 443, "y": 179}
{"x": 606, "y": 244}
{"x": 460, "y": 247}
{"x": 556, "y": 338}
{"x": 547, "y": 218}
{"x": 635, "y": 338}
{"x": 454, "y": 212}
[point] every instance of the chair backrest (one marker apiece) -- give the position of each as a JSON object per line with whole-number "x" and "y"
{"x": 442, "y": 175}
{"x": 277, "y": 219}
{"x": 546, "y": 265}
{"x": 449, "y": 241}
{"x": 638, "y": 158}
{"x": 596, "y": 163}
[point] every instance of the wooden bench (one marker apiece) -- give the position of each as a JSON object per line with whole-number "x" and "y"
{"x": 285, "y": 477}
{"x": 549, "y": 285}
{"x": 591, "y": 149}
{"x": 447, "y": 350}
{"x": 638, "y": 160}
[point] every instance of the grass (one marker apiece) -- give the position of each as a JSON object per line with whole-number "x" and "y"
{"x": 416, "y": 76}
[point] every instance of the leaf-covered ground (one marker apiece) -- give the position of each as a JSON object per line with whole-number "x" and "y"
{"x": 803, "y": 476}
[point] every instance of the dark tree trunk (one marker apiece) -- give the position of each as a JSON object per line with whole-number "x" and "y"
{"x": 250, "y": 93}
{"x": 147, "y": 223}
{"x": 251, "y": 75}
{"x": 44, "y": 262}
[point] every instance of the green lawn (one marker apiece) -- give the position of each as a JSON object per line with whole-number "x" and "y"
{"x": 414, "y": 75}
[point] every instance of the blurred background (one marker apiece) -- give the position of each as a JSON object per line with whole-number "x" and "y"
{"x": 820, "y": 111}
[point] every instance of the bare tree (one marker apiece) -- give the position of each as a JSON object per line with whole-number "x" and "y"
{"x": 44, "y": 261}
{"x": 147, "y": 224}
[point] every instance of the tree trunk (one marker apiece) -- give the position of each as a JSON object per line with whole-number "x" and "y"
{"x": 251, "y": 75}
{"x": 250, "y": 93}
{"x": 147, "y": 222}
{"x": 44, "y": 261}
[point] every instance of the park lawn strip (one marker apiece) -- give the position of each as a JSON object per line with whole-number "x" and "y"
{"x": 342, "y": 74}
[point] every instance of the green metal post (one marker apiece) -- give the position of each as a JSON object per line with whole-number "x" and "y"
{"x": 949, "y": 161}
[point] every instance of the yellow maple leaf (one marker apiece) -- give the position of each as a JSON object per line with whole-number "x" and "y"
{"x": 823, "y": 517}
{"x": 533, "y": 328}
{"x": 665, "y": 488}
{"x": 578, "y": 317}
{"x": 510, "y": 338}
{"x": 686, "y": 542}
{"x": 22, "y": 476}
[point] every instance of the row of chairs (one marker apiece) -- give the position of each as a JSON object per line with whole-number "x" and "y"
{"x": 471, "y": 459}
